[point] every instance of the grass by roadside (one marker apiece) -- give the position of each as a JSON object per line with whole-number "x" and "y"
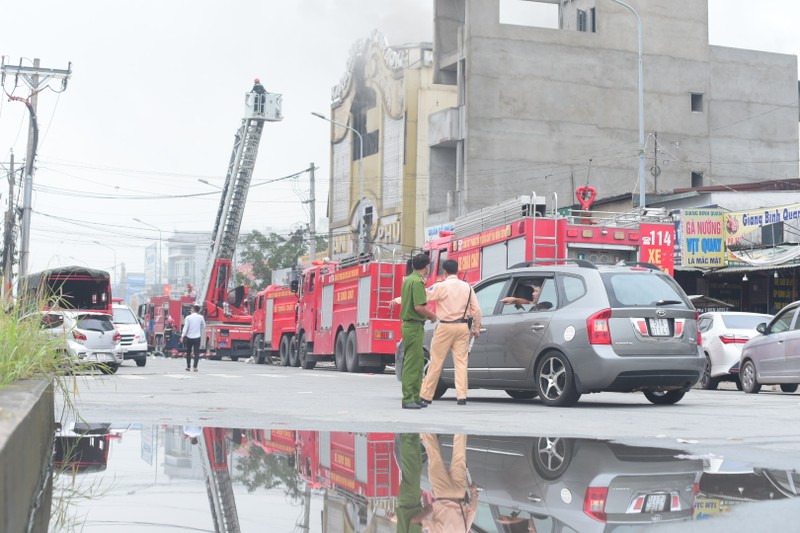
{"x": 24, "y": 352}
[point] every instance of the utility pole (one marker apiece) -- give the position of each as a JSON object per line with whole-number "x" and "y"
{"x": 8, "y": 236}
{"x": 36, "y": 78}
{"x": 312, "y": 230}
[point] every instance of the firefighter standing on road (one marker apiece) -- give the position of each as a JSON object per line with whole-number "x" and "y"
{"x": 413, "y": 313}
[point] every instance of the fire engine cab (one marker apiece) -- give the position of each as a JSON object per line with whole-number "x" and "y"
{"x": 345, "y": 314}
{"x": 274, "y": 323}
{"x": 531, "y": 227}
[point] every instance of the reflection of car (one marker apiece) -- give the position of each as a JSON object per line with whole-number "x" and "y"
{"x": 577, "y": 485}
{"x": 133, "y": 339}
{"x": 593, "y": 329}
{"x": 773, "y": 358}
{"x": 724, "y": 334}
{"x": 90, "y": 337}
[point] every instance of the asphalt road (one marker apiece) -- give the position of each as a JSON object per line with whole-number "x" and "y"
{"x": 761, "y": 428}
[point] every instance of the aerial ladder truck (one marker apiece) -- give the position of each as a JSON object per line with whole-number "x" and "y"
{"x": 228, "y": 322}
{"x": 221, "y": 499}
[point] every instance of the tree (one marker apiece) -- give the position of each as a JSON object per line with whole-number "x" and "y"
{"x": 267, "y": 253}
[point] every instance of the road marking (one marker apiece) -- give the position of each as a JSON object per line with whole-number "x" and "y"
{"x": 270, "y": 375}
{"x": 132, "y": 376}
{"x": 227, "y": 376}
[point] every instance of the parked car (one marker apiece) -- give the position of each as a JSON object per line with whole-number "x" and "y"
{"x": 593, "y": 329}
{"x": 90, "y": 338}
{"x": 724, "y": 334}
{"x": 576, "y": 485}
{"x": 133, "y": 341}
{"x": 773, "y": 358}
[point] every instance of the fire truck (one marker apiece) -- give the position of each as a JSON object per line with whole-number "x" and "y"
{"x": 345, "y": 314}
{"x": 214, "y": 450}
{"x": 274, "y": 323}
{"x": 357, "y": 472}
{"x": 155, "y": 313}
{"x": 531, "y": 227}
{"x": 228, "y": 323}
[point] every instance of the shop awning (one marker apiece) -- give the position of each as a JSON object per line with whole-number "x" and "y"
{"x": 706, "y": 302}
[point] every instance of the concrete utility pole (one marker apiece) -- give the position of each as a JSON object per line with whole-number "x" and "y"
{"x": 36, "y": 79}
{"x": 312, "y": 230}
{"x": 8, "y": 236}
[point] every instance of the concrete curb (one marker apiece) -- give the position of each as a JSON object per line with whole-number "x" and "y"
{"x": 27, "y": 426}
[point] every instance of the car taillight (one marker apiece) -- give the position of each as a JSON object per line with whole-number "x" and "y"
{"x": 699, "y": 333}
{"x": 732, "y": 339}
{"x": 78, "y": 336}
{"x": 594, "y": 503}
{"x": 597, "y": 327}
{"x": 117, "y": 336}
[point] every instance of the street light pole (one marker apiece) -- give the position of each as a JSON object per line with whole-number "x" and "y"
{"x": 361, "y": 234}
{"x": 158, "y": 265}
{"x": 641, "y": 103}
{"x": 116, "y": 279}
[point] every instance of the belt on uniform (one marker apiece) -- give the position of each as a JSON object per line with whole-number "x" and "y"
{"x": 456, "y": 321}
{"x": 414, "y": 321}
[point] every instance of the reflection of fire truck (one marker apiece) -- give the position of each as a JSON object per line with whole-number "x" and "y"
{"x": 214, "y": 451}
{"x": 345, "y": 314}
{"x": 228, "y": 324}
{"x": 274, "y": 323}
{"x": 357, "y": 472}
{"x": 527, "y": 228}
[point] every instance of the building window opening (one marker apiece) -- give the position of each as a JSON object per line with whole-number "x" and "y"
{"x": 697, "y": 102}
{"x": 529, "y": 13}
{"x": 697, "y": 179}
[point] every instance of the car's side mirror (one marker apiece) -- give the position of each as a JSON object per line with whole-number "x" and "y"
{"x": 762, "y": 328}
{"x": 294, "y": 285}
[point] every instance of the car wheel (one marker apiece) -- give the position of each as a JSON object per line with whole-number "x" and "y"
{"x": 339, "y": 352}
{"x": 551, "y": 456}
{"x": 522, "y": 394}
{"x": 789, "y": 387}
{"x": 750, "y": 384}
{"x": 141, "y": 361}
{"x": 398, "y": 361}
{"x": 109, "y": 369}
{"x": 706, "y": 381}
{"x": 555, "y": 381}
{"x": 305, "y": 362}
{"x": 351, "y": 353}
{"x": 667, "y": 397}
{"x": 294, "y": 348}
{"x": 738, "y": 383}
{"x": 284, "y": 350}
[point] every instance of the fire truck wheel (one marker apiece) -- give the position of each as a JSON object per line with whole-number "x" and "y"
{"x": 293, "y": 359}
{"x": 306, "y": 363}
{"x": 284, "y": 350}
{"x": 380, "y": 369}
{"x": 351, "y": 354}
{"x": 258, "y": 349}
{"x": 339, "y": 351}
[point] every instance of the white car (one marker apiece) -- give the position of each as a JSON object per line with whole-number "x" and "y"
{"x": 724, "y": 334}
{"x": 90, "y": 338}
{"x": 134, "y": 340}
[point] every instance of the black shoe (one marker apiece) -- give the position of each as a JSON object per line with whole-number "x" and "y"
{"x": 412, "y": 405}
{"x": 424, "y": 402}
{"x": 462, "y": 401}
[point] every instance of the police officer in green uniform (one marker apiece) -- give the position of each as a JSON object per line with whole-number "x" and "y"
{"x": 413, "y": 314}
{"x": 409, "y": 497}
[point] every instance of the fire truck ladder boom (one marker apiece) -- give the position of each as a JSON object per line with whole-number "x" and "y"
{"x": 237, "y": 181}
{"x": 219, "y": 487}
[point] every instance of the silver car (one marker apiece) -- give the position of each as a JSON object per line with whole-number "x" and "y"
{"x": 90, "y": 338}
{"x": 592, "y": 329}
{"x": 773, "y": 358}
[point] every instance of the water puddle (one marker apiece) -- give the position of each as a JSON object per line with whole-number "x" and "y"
{"x": 133, "y": 477}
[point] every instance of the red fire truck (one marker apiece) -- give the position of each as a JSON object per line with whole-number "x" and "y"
{"x": 274, "y": 323}
{"x": 155, "y": 313}
{"x": 528, "y": 228}
{"x": 345, "y": 314}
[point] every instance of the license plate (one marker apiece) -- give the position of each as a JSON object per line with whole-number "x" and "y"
{"x": 659, "y": 327}
{"x": 655, "y": 503}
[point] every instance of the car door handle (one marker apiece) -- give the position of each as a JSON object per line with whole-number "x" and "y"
{"x": 534, "y": 498}
{"x": 482, "y": 330}
{"x": 537, "y": 327}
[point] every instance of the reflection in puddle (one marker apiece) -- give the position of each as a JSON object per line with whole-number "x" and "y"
{"x": 161, "y": 478}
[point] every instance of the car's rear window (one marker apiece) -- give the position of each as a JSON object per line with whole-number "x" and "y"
{"x": 744, "y": 321}
{"x": 94, "y": 323}
{"x": 642, "y": 289}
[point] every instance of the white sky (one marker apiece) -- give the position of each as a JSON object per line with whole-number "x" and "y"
{"x": 156, "y": 97}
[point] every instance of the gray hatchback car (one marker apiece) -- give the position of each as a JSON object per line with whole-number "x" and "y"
{"x": 591, "y": 328}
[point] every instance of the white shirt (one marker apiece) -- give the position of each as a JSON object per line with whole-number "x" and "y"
{"x": 193, "y": 326}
